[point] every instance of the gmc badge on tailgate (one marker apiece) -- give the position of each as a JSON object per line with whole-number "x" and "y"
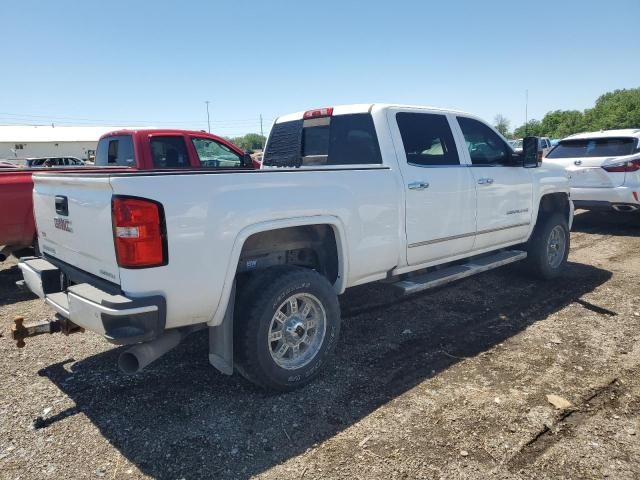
{"x": 62, "y": 224}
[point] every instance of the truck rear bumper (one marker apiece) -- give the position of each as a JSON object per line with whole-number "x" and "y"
{"x": 120, "y": 319}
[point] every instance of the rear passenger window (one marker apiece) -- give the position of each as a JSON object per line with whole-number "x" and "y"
{"x": 485, "y": 146}
{"x": 337, "y": 140}
{"x": 115, "y": 151}
{"x": 427, "y": 139}
{"x": 169, "y": 152}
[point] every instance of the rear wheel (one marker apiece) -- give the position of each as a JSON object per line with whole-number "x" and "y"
{"x": 286, "y": 327}
{"x": 548, "y": 247}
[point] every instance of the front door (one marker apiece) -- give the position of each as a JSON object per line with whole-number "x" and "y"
{"x": 504, "y": 187}
{"x": 440, "y": 196}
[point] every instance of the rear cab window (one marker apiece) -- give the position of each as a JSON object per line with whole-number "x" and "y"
{"x": 348, "y": 139}
{"x": 115, "y": 151}
{"x": 595, "y": 147}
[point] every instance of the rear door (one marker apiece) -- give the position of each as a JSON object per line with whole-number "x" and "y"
{"x": 73, "y": 215}
{"x": 584, "y": 160}
{"x": 440, "y": 194}
{"x": 505, "y": 192}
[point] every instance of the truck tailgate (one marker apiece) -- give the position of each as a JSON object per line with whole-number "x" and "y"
{"x": 73, "y": 216}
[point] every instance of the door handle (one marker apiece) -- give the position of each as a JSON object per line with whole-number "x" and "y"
{"x": 418, "y": 185}
{"x": 485, "y": 181}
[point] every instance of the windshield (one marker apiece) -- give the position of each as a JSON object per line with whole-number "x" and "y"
{"x": 594, "y": 147}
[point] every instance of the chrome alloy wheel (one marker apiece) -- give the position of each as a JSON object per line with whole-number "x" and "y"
{"x": 297, "y": 331}
{"x": 556, "y": 245}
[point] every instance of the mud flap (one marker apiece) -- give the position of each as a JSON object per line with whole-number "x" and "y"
{"x": 221, "y": 339}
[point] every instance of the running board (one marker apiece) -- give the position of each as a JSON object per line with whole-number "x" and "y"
{"x": 457, "y": 272}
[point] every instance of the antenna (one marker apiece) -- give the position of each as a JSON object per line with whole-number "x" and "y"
{"x": 208, "y": 121}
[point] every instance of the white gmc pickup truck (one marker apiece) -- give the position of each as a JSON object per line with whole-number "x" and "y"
{"x": 415, "y": 196}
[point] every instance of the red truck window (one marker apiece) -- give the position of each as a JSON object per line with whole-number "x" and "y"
{"x": 115, "y": 150}
{"x": 169, "y": 152}
{"x": 215, "y": 155}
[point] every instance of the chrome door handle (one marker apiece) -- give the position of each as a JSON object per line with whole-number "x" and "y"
{"x": 485, "y": 181}
{"x": 418, "y": 185}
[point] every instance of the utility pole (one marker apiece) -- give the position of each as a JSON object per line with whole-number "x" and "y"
{"x": 261, "y": 132}
{"x": 526, "y": 112}
{"x": 208, "y": 121}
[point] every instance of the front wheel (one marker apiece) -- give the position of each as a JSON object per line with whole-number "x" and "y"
{"x": 548, "y": 247}
{"x": 286, "y": 327}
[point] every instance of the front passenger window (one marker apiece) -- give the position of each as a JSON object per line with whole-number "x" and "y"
{"x": 485, "y": 146}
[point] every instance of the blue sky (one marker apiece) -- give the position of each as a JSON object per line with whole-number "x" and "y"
{"x": 156, "y": 62}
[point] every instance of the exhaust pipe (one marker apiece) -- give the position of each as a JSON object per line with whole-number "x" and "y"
{"x": 136, "y": 358}
{"x": 625, "y": 208}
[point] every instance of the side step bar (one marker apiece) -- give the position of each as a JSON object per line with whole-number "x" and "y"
{"x": 457, "y": 272}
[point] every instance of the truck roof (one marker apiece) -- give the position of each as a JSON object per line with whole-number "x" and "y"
{"x": 622, "y": 132}
{"x": 161, "y": 131}
{"x": 364, "y": 108}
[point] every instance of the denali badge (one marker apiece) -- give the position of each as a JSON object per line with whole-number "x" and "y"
{"x": 62, "y": 224}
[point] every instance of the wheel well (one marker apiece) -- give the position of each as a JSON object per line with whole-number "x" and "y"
{"x": 554, "y": 202}
{"x": 309, "y": 246}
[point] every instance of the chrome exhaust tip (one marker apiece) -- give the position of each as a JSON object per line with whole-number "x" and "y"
{"x": 625, "y": 208}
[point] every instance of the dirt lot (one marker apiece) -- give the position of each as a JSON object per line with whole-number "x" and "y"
{"x": 452, "y": 383}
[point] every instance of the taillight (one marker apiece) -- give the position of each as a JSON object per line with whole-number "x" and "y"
{"x": 318, "y": 113}
{"x": 138, "y": 232}
{"x": 630, "y": 166}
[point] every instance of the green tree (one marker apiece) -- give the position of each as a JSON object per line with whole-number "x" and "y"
{"x": 617, "y": 109}
{"x": 562, "y": 123}
{"x": 532, "y": 128}
{"x": 249, "y": 142}
{"x": 501, "y": 124}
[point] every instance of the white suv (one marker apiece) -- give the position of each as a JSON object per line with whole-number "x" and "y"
{"x": 603, "y": 167}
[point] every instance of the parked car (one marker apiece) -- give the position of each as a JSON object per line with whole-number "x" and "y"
{"x": 604, "y": 168}
{"x": 544, "y": 145}
{"x": 128, "y": 149}
{"x": 54, "y": 162}
{"x": 346, "y": 196}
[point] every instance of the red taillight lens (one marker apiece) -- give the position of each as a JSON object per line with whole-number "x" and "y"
{"x": 318, "y": 113}
{"x": 630, "y": 166}
{"x": 138, "y": 232}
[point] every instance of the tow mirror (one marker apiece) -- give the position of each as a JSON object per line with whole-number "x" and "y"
{"x": 530, "y": 152}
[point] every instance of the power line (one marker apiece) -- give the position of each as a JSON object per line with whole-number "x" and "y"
{"x": 66, "y": 119}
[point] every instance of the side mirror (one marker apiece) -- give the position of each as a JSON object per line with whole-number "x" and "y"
{"x": 247, "y": 162}
{"x": 530, "y": 152}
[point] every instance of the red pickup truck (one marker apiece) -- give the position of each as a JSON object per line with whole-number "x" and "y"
{"x": 131, "y": 149}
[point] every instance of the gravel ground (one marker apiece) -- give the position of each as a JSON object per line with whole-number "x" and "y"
{"x": 452, "y": 383}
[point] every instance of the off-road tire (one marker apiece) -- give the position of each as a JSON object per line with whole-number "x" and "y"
{"x": 257, "y": 303}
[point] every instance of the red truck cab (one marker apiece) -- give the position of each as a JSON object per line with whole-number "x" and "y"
{"x": 162, "y": 149}
{"x": 145, "y": 149}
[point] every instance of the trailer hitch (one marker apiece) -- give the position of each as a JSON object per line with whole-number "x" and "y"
{"x": 21, "y": 330}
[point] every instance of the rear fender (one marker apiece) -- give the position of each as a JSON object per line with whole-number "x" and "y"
{"x": 339, "y": 233}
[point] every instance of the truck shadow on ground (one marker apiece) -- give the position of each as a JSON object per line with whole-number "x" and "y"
{"x": 9, "y": 293}
{"x": 181, "y": 419}
{"x": 607, "y": 223}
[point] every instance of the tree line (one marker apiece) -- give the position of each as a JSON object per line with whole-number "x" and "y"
{"x": 617, "y": 109}
{"x": 249, "y": 142}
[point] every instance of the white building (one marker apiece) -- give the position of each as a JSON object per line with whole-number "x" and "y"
{"x": 24, "y": 141}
